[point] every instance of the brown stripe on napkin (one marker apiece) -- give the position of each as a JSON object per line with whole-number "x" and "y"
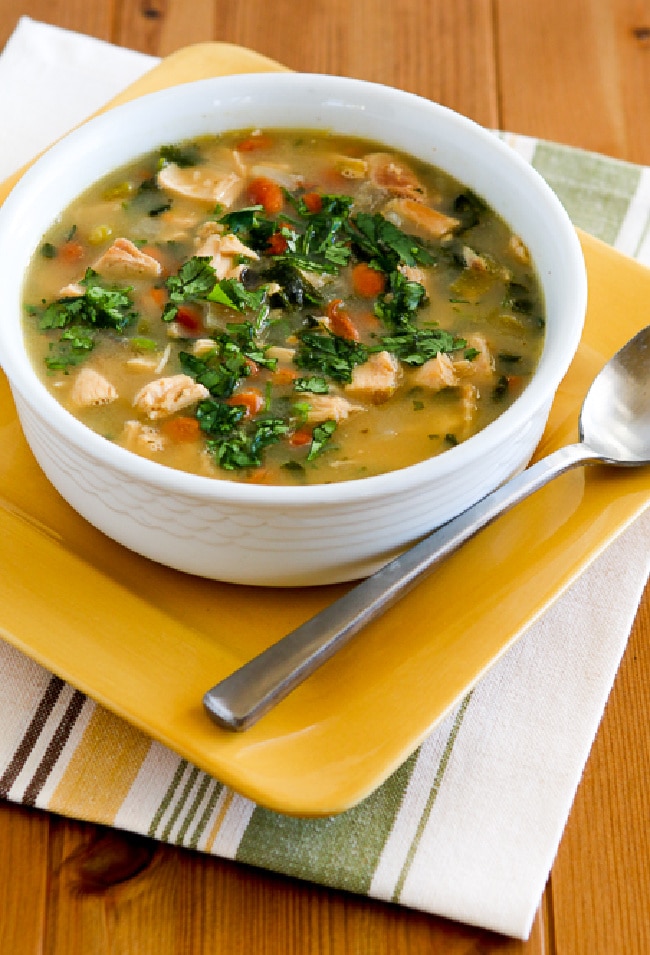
{"x": 34, "y": 730}
{"x": 55, "y": 748}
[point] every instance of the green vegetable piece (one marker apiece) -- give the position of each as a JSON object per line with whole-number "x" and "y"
{"x": 321, "y": 436}
{"x": 98, "y": 307}
{"x": 235, "y": 447}
{"x": 72, "y": 348}
{"x": 415, "y": 346}
{"x": 384, "y": 244}
{"x": 330, "y": 354}
{"x": 315, "y": 384}
{"x": 397, "y": 306}
{"x": 193, "y": 281}
{"x": 183, "y": 156}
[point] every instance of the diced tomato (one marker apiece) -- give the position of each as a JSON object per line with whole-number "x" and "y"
{"x": 190, "y": 318}
{"x": 250, "y": 398}
{"x": 254, "y": 142}
{"x": 313, "y": 201}
{"x": 340, "y": 322}
{"x": 267, "y": 193}
{"x": 277, "y": 244}
{"x": 366, "y": 281}
{"x": 182, "y": 429}
{"x": 300, "y": 437}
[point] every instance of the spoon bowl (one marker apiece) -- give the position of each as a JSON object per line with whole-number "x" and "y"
{"x": 615, "y": 416}
{"x": 614, "y": 429}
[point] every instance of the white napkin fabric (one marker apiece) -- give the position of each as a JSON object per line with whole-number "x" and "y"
{"x": 487, "y": 838}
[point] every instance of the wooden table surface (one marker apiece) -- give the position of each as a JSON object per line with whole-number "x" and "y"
{"x": 575, "y": 71}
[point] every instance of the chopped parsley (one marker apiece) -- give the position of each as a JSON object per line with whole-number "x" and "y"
{"x": 234, "y": 443}
{"x": 414, "y": 346}
{"x": 397, "y": 306}
{"x": 71, "y": 349}
{"x": 330, "y": 354}
{"x": 194, "y": 281}
{"x": 97, "y": 307}
{"x": 233, "y": 294}
{"x": 315, "y": 384}
{"x": 221, "y": 369}
{"x": 321, "y": 435}
{"x": 295, "y": 290}
{"x": 384, "y": 245}
{"x": 323, "y": 245}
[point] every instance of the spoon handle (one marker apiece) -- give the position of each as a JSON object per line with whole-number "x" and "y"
{"x": 239, "y": 700}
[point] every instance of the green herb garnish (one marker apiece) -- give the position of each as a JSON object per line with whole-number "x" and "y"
{"x": 330, "y": 354}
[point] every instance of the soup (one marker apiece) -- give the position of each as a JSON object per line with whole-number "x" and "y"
{"x": 283, "y": 307}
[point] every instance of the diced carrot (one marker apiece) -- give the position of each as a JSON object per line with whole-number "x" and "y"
{"x": 340, "y": 322}
{"x": 267, "y": 193}
{"x": 250, "y": 398}
{"x": 189, "y": 317}
{"x": 72, "y": 251}
{"x": 255, "y": 141}
{"x": 277, "y": 244}
{"x": 366, "y": 281}
{"x": 182, "y": 429}
{"x": 258, "y": 476}
{"x": 313, "y": 201}
{"x": 300, "y": 437}
{"x": 284, "y": 376}
{"x": 159, "y": 295}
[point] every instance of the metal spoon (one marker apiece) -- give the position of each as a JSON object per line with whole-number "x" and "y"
{"x": 614, "y": 429}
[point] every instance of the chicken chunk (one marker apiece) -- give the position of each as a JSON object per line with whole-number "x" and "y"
{"x": 468, "y": 402}
{"x": 203, "y": 346}
{"x": 124, "y": 260}
{"x": 350, "y": 167}
{"x": 141, "y": 438}
{"x": 165, "y": 396}
{"x": 211, "y": 186}
{"x": 376, "y": 379}
{"x": 281, "y": 354}
{"x": 520, "y": 251}
{"x": 429, "y": 222}
{"x": 388, "y": 172}
{"x": 277, "y": 172}
{"x": 436, "y": 374}
{"x": 222, "y": 251}
{"x": 481, "y": 366}
{"x": 72, "y": 290}
{"x": 330, "y": 407}
{"x": 91, "y": 389}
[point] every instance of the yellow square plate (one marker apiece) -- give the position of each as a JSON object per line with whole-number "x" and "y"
{"x": 147, "y": 642}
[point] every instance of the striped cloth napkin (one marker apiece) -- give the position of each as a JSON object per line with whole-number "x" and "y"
{"x": 469, "y": 826}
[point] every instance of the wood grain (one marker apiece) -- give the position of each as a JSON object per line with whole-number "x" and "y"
{"x": 576, "y": 71}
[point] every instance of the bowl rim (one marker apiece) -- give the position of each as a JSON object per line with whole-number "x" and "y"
{"x": 25, "y": 381}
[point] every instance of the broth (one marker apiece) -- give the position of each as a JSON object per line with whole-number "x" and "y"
{"x": 283, "y": 307}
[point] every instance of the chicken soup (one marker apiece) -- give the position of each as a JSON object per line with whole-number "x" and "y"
{"x": 283, "y": 307}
